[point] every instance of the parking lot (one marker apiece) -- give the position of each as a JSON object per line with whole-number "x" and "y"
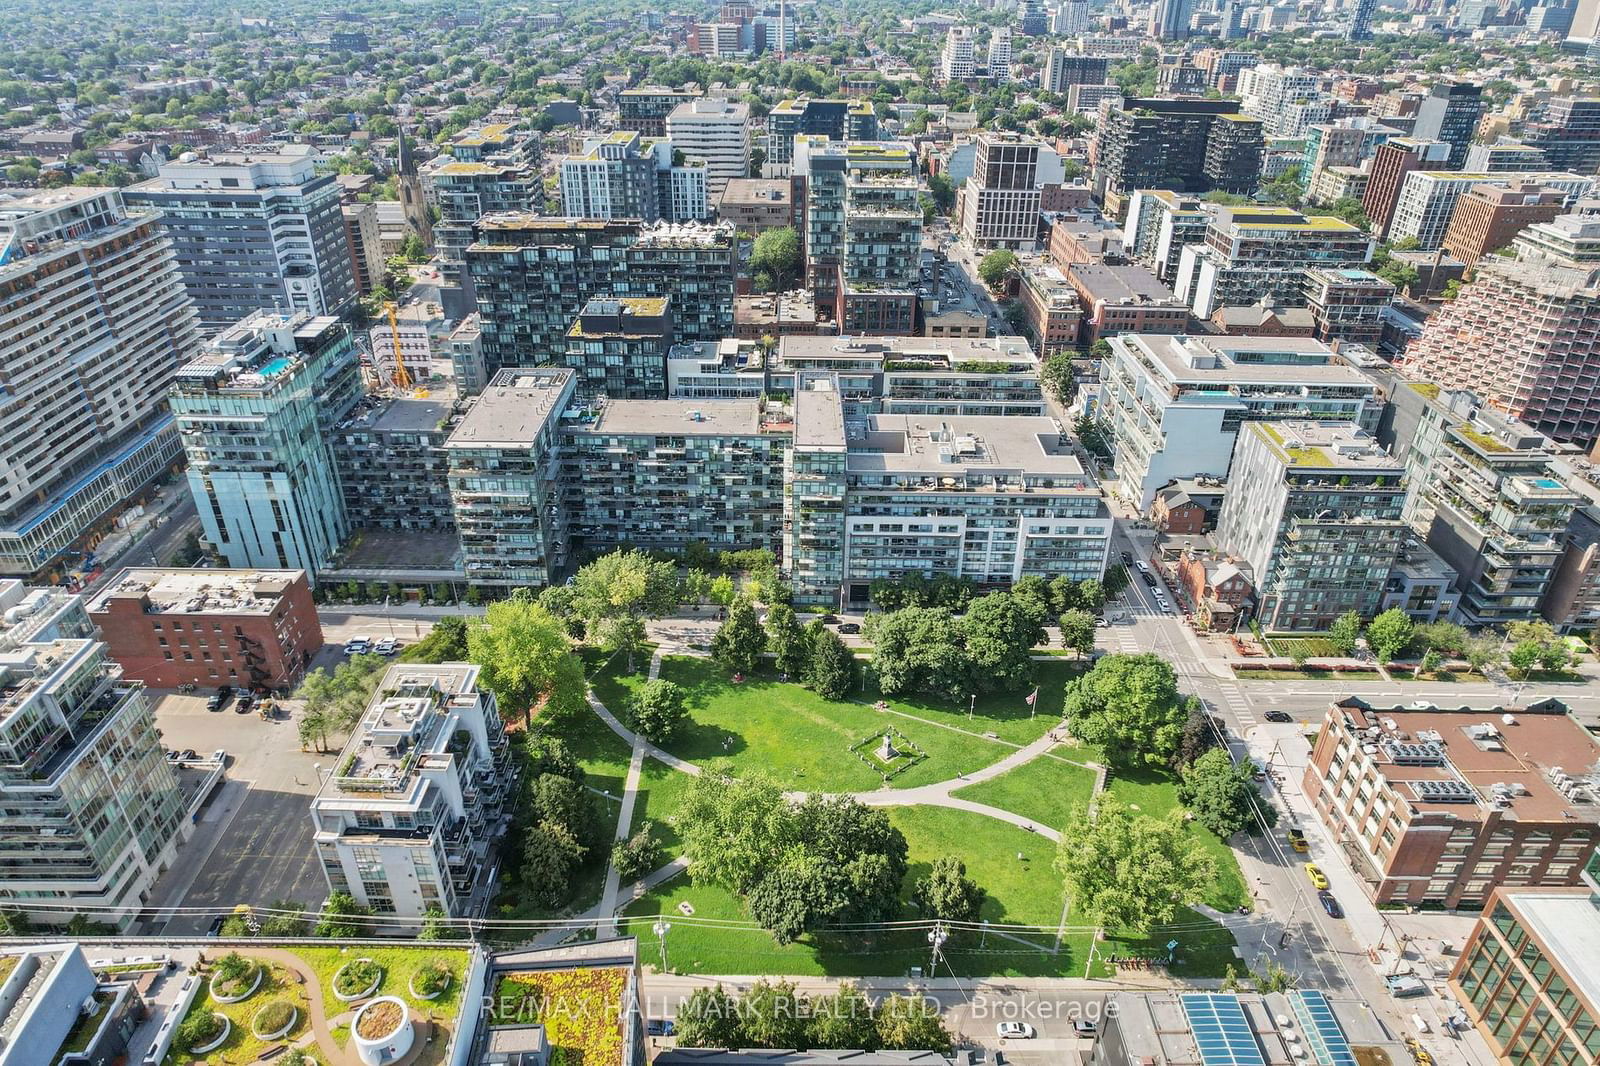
{"x": 253, "y": 840}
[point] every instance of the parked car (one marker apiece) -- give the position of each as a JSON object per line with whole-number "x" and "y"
{"x": 1279, "y": 716}
{"x": 1149, "y": 578}
{"x": 1330, "y": 904}
{"x": 219, "y": 698}
{"x": 1319, "y": 880}
{"x": 849, "y": 627}
{"x": 186, "y": 754}
{"x": 386, "y": 646}
{"x": 1103, "y": 622}
{"x": 830, "y": 619}
{"x": 1015, "y": 1031}
{"x": 357, "y": 646}
{"x": 173, "y": 756}
{"x": 246, "y": 701}
{"x": 1297, "y": 840}
{"x": 1083, "y": 1027}
{"x": 1127, "y": 557}
{"x": 659, "y": 1027}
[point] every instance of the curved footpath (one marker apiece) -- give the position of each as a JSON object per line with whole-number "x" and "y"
{"x": 614, "y": 896}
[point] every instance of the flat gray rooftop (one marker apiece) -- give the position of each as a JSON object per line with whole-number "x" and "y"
{"x": 1187, "y": 360}
{"x": 818, "y": 414}
{"x": 513, "y": 408}
{"x": 1569, "y": 926}
{"x": 691, "y": 418}
{"x": 949, "y": 446}
{"x": 406, "y": 415}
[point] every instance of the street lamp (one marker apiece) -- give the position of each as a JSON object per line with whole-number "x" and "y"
{"x": 661, "y": 928}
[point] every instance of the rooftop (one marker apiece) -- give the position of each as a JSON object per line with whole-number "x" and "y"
{"x": 985, "y": 445}
{"x": 1567, "y": 923}
{"x": 403, "y": 723}
{"x": 756, "y": 192}
{"x": 199, "y": 591}
{"x": 680, "y": 418}
{"x": 1336, "y": 446}
{"x": 936, "y": 352}
{"x": 513, "y": 409}
{"x": 1533, "y": 763}
{"x": 400, "y": 414}
{"x": 1121, "y": 284}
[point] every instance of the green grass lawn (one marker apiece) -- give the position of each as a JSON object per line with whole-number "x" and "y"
{"x": 399, "y": 964}
{"x": 1025, "y": 892}
{"x": 1155, "y": 793}
{"x": 1308, "y": 675}
{"x": 1312, "y": 646}
{"x": 804, "y": 741}
{"x": 243, "y": 1045}
{"x": 1045, "y": 789}
{"x": 661, "y": 791}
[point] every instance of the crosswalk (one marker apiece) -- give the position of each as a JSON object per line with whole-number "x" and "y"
{"x": 1234, "y": 698}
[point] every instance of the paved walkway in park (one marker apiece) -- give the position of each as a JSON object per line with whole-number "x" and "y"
{"x": 615, "y": 896}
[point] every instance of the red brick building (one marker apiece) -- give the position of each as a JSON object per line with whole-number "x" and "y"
{"x": 1488, "y": 216}
{"x": 1440, "y": 806}
{"x": 247, "y": 628}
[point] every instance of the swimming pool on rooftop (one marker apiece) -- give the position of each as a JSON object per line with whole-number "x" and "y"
{"x": 276, "y": 366}
{"x": 1548, "y": 483}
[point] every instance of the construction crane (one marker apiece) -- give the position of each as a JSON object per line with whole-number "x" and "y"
{"x": 401, "y": 376}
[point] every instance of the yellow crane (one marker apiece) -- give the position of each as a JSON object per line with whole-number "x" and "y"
{"x": 402, "y": 376}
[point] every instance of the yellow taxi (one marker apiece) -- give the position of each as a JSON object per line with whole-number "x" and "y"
{"x": 1297, "y": 840}
{"x": 1319, "y": 880}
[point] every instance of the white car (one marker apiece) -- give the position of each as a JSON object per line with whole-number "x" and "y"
{"x": 1015, "y": 1031}
{"x": 358, "y": 646}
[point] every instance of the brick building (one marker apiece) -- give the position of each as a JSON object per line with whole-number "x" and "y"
{"x": 1488, "y": 216}
{"x": 248, "y": 628}
{"x": 1440, "y": 806}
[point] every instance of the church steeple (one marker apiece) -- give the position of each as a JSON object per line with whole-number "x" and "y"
{"x": 412, "y": 204}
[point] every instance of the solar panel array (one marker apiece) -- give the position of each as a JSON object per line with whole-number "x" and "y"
{"x": 1424, "y": 754}
{"x": 1321, "y": 1028}
{"x": 1221, "y": 1031}
{"x": 1444, "y": 791}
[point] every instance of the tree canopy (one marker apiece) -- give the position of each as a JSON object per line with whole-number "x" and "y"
{"x": 1129, "y": 706}
{"x": 1130, "y": 872}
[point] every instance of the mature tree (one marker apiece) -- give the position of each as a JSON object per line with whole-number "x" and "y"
{"x": 919, "y": 651}
{"x": 787, "y": 641}
{"x": 911, "y": 1023}
{"x": 447, "y": 643}
{"x": 1537, "y": 630}
{"x": 1222, "y": 796}
{"x": 796, "y": 896}
{"x": 831, "y": 673}
{"x": 774, "y": 1015}
{"x": 709, "y": 1018}
{"x": 1481, "y": 651}
{"x": 525, "y": 658}
{"x": 657, "y": 710}
{"x": 1129, "y": 706}
{"x": 549, "y": 855}
{"x": 623, "y": 585}
{"x": 1056, "y": 376}
{"x": 1063, "y": 594}
{"x": 1555, "y": 656}
{"x": 740, "y": 640}
{"x": 994, "y": 267}
{"x": 622, "y": 636}
{"x": 1201, "y": 733}
{"x": 557, "y": 800}
{"x": 1037, "y": 597}
{"x": 723, "y": 590}
{"x": 636, "y": 856}
{"x": 1130, "y": 872}
{"x": 436, "y": 926}
{"x": 1000, "y": 633}
{"x": 775, "y": 258}
{"x": 342, "y": 918}
{"x": 285, "y": 918}
{"x": 859, "y": 845}
{"x": 1077, "y": 631}
{"x": 1344, "y": 632}
{"x": 1446, "y": 638}
{"x": 1389, "y": 634}
{"x": 546, "y": 754}
{"x": 948, "y": 893}
{"x": 842, "y": 1020}
{"x": 1524, "y": 655}
{"x": 1091, "y": 595}
{"x": 736, "y": 829}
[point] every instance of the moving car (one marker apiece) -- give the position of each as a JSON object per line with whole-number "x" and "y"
{"x": 849, "y": 627}
{"x": 1297, "y": 840}
{"x": 1015, "y": 1031}
{"x": 1319, "y": 880}
{"x": 1149, "y": 578}
{"x": 1127, "y": 557}
{"x": 830, "y": 619}
{"x": 1279, "y": 716}
{"x": 1330, "y": 904}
